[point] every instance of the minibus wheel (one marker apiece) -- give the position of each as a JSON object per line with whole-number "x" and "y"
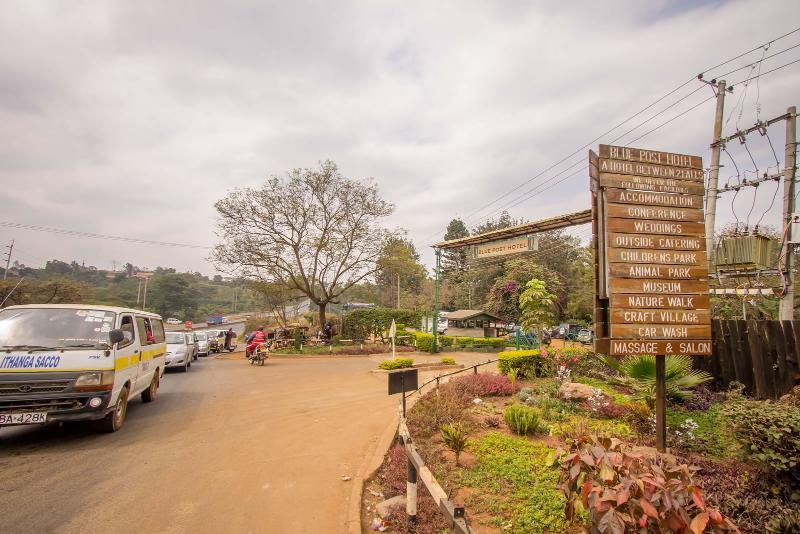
{"x": 116, "y": 417}
{"x": 149, "y": 395}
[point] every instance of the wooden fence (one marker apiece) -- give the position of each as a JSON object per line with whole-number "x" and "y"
{"x": 762, "y": 355}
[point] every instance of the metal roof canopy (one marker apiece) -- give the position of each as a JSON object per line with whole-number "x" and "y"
{"x": 543, "y": 225}
{"x": 465, "y": 315}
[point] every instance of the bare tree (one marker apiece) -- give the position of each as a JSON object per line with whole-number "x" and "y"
{"x": 313, "y": 231}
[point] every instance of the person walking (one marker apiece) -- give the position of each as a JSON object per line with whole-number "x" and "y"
{"x": 228, "y": 338}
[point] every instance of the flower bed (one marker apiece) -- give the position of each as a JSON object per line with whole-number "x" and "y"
{"x": 521, "y": 458}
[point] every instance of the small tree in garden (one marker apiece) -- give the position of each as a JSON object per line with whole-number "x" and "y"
{"x": 536, "y": 305}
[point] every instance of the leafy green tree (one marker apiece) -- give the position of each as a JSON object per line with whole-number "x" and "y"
{"x": 504, "y": 296}
{"x": 454, "y": 261}
{"x": 53, "y": 290}
{"x": 580, "y": 287}
{"x": 399, "y": 257}
{"x": 536, "y": 305}
{"x": 172, "y": 294}
{"x": 314, "y": 231}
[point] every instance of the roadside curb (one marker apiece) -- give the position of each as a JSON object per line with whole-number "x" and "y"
{"x": 366, "y": 470}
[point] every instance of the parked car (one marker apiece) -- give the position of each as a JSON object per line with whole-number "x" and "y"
{"x": 179, "y": 352}
{"x": 546, "y": 337}
{"x": 202, "y": 343}
{"x": 192, "y": 342}
{"x": 213, "y": 340}
{"x": 173, "y": 320}
{"x": 585, "y": 336}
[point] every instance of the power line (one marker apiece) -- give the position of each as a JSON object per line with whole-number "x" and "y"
{"x": 759, "y": 47}
{"x": 76, "y": 233}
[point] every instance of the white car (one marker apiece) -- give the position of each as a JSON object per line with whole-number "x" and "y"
{"x": 202, "y": 343}
{"x": 179, "y": 351}
{"x": 173, "y": 320}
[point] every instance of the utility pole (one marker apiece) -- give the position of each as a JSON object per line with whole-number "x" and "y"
{"x": 436, "y": 300}
{"x": 786, "y": 310}
{"x": 139, "y": 292}
{"x": 144, "y": 298}
{"x": 398, "y": 291}
{"x": 713, "y": 176}
{"x": 8, "y": 258}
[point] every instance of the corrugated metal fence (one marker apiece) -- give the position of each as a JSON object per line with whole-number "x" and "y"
{"x": 763, "y": 355}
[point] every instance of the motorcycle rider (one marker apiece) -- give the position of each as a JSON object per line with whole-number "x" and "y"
{"x": 254, "y": 340}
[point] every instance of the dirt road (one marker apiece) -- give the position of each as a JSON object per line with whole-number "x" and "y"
{"x": 225, "y": 448}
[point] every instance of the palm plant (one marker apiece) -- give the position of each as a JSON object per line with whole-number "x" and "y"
{"x": 454, "y": 436}
{"x": 639, "y": 372}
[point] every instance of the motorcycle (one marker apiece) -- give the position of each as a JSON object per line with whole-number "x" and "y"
{"x": 259, "y": 354}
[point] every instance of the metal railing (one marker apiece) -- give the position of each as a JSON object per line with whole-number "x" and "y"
{"x": 438, "y": 377}
{"x": 454, "y": 515}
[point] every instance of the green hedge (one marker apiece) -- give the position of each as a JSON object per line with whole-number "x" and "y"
{"x": 425, "y": 342}
{"x": 397, "y": 363}
{"x": 526, "y": 362}
{"x": 363, "y": 323}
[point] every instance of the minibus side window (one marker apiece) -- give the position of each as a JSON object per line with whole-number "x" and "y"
{"x": 126, "y": 325}
{"x": 145, "y": 331}
{"x": 158, "y": 330}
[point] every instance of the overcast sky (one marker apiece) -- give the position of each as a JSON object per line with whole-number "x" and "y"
{"x": 133, "y": 118}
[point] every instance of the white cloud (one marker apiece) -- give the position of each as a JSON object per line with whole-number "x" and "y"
{"x": 133, "y": 118}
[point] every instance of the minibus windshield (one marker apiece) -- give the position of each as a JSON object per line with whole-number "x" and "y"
{"x": 54, "y": 328}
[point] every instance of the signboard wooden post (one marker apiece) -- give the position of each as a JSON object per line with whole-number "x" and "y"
{"x": 650, "y": 263}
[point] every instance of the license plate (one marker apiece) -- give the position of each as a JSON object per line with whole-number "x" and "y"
{"x": 23, "y": 418}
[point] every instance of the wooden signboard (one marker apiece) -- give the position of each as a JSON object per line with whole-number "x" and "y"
{"x": 642, "y": 155}
{"x": 624, "y": 347}
{"x": 647, "y": 169}
{"x": 635, "y": 226}
{"x": 504, "y": 246}
{"x": 660, "y": 257}
{"x": 660, "y": 316}
{"x": 651, "y": 198}
{"x": 669, "y": 272}
{"x": 662, "y": 287}
{"x": 659, "y": 331}
{"x": 650, "y": 213}
{"x": 659, "y": 242}
{"x": 651, "y": 250}
{"x": 649, "y": 300}
{"x": 649, "y": 183}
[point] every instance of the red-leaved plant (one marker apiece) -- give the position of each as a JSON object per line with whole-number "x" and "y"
{"x": 624, "y": 491}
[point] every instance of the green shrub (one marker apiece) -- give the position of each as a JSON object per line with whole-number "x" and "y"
{"x": 397, "y": 363}
{"x": 639, "y": 372}
{"x": 526, "y": 362}
{"x": 623, "y": 491}
{"x": 363, "y": 323}
{"x": 424, "y": 341}
{"x": 771, "y": 433}
{"x": 522, "y": 420}
{"x": 454, "y": 436}
{"x": 447, "y": 361}
{"x": 492, "y": 342}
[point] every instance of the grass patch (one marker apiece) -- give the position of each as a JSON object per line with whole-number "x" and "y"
{"x": 580, "y": 424}
{"x": 713, "y": 435}
{"x": 605, "y": 387}
{"x": 516, "y": 481}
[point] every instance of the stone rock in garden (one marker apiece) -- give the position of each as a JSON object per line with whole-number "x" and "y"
{"x": 793, "y": 397}
{"x": 384, "y": 508}
{"x": 575, "y": 391}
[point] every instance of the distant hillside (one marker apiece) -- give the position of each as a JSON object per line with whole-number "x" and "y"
{"x": 189, "y": 296}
